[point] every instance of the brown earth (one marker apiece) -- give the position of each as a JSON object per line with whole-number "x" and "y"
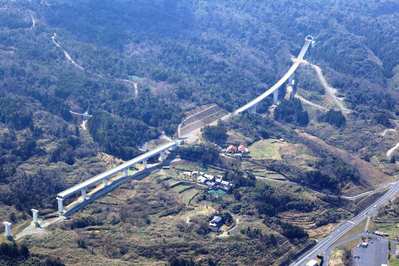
{"x": 370, "y": 175}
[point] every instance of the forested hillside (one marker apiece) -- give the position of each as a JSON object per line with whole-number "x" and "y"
{"x": 137, "y": 67}
{"x": 193, "y": 52}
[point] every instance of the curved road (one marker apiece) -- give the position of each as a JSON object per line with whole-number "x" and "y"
{"x": 331, "y": 91}
{"x": 66, "y": 54}
{"x": 323, "y": 245}
{"x": 282, "y": 81}
{"x": 310, "y": 103}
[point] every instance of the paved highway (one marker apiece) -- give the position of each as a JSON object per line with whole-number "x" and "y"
{"x": 322, "y": 247}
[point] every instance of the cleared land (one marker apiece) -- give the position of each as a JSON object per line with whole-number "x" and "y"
{"x": 199, "y": 118}
{"x": 266, "y": 150}
{"x": 370, "y": 175}
{"x": 337, "y": 258}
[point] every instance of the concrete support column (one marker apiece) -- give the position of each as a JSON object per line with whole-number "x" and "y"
{"x": 253, "y": 109}
{"x": 7, "y": 229}
{"x": 163, "y": 156}
{"x": 145, "y": 164}
{"x": 275, "y": 96}
{"x": 60, "y": 202}
{"x": 105, "y": 182}
{"x": 35, "y": 216}
{"x": 126, "y": 172}
{"x": 294, "y": 88}
{"x": 83, "y": 191}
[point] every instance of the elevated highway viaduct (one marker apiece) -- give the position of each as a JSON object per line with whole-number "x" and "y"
{"x": 104, "y": 178}
{"x": 275, "y": 88}
{"x": 102, "y": 181}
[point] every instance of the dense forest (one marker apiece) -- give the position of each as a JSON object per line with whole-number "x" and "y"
{"x": 138, "y": 66}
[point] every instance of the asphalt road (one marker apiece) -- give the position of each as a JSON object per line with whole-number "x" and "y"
{"x": 321, "y": 248}
{"x": 375, "y": 254}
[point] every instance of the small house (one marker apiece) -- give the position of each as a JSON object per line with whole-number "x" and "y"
{"x": 225, "y": 188}
{"x": 216, "y": 222}
{"x": 201, "y": 179}
{"x": 195, "y": 174}
{"x": 226, "y": 183}
{"x": 242, "y": 149}
{"x": 209, "y": 177}
{"x": 210, "y": 184}
{"x": 231, "y": 149}
{"x": 312, "y": 263}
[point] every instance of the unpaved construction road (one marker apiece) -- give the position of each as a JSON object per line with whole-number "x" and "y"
{"x": 331, "y": 91}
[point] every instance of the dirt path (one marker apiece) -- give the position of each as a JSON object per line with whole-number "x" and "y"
{"x": 134, "y": 84}
{"x": 315, "y": 105}
{"x": 66, "y": 54}
{"x": 331, "y": 91}
{"x": 384, "y": 133}
{"x": 84, "y": 125}
{"x": 230, "y": 230}
{"x": 33, "y": 22}
{"x": 391, "y": 151}
{"x": 31, "y": 229}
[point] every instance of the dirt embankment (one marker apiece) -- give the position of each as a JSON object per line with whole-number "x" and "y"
{"x": 370, "y": 175}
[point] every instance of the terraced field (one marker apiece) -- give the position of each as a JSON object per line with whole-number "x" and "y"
{"x": 185, "y": 191}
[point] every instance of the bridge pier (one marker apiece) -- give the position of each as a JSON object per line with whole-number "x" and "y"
{"x": 7, "y": 229}
{"x": 294, "y": 88}
{"x": 253, "y": 109}
{"x": 275, "y": 96}
{"x": 107, "y": 177}
{"x": 35, "y": 219}
{"x": 291, "y": 90}
{"x": 106, "y": 182}
{"x": 83, "y": 191}
{"x": 163, "y": 156}
{"x": 60, "y": 202}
